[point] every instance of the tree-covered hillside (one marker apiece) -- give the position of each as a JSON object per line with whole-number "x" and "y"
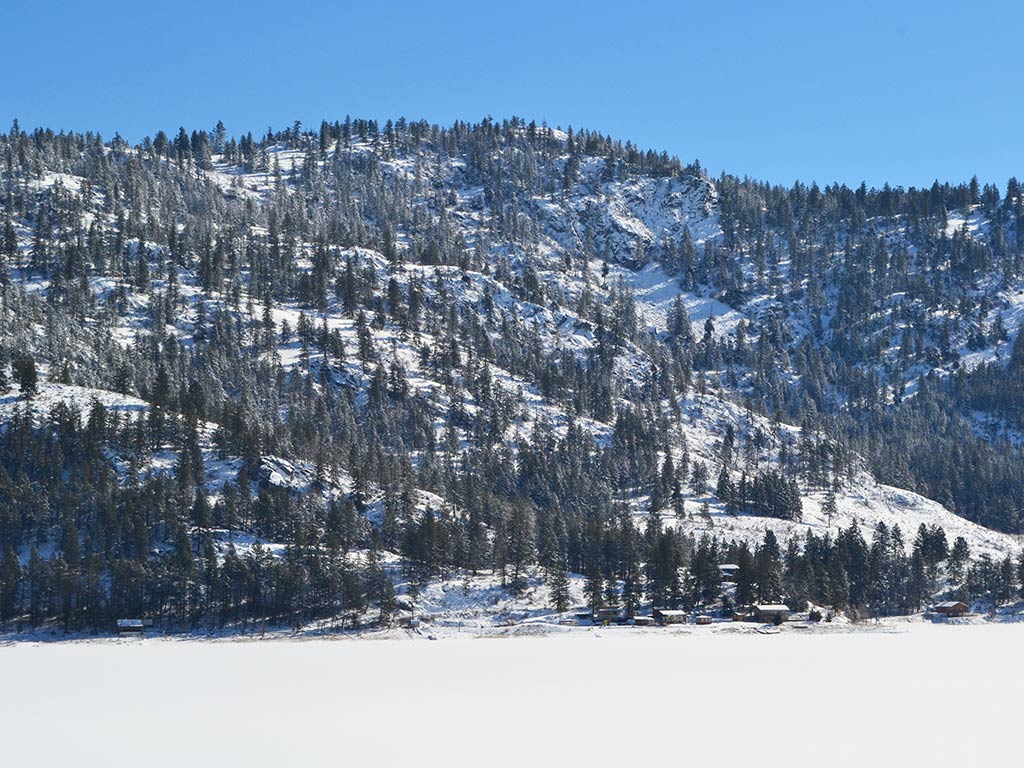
{"x": 281, "y": 377}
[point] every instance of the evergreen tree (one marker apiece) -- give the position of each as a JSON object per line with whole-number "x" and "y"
{"x": 558, "y": 583}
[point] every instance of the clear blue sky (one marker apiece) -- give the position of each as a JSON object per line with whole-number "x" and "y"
{"x": 901, "y": 90}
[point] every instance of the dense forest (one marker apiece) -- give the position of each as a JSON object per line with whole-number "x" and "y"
{"x": 296, "y": 377}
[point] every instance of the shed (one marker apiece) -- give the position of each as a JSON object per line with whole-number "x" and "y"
{"x": 770, "y": 612}
{"x": 952, "y": 608}
{"x": 702, "y": 621}
{"x": 130, "y": 626}
{"x": 643, "y": 621}
{"x": 670, "y": 616}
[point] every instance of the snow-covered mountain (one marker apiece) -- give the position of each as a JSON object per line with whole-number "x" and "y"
{"x": 422, "y": 354}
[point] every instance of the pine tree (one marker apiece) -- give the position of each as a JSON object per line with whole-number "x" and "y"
{"x": 829, "y": 508}
{"x": 768, "y": 569}
{"x": 25, "y": 375}
{"x": 699, "y": 479}
{"x": 558, "y": 584}
{"x": 10, "y": 585}
{"x": 386, "y": 597}
{"x": 917, "y": 588}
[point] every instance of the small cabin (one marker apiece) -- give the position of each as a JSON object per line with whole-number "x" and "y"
{"x": 130, "y": 626}
{"x": 728, "y": 571}
{"x": 702, "y": 621}
{"x": 769, "y": 613}
{"x": 952, "y": 608}
{"x": 670, "y": 616}
{"x": 643, "y": 621}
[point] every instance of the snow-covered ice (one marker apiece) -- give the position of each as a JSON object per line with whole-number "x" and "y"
{"x": 931, "y": 695}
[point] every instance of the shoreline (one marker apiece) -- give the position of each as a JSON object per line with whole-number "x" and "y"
{"x": 532, "y": 629}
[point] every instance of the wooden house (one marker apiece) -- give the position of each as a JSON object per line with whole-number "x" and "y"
{"x": 769, "y": 613}
{"x": 952, "y": 608}
{"x": 702, "y": 621}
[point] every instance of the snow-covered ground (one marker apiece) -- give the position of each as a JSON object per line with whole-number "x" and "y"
{"x": 929, "y": 695}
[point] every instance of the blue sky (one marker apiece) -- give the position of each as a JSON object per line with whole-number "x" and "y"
{"x": 878, "y": 91}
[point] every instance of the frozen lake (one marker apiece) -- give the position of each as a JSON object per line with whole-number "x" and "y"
{"x": 931, "y": 696}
